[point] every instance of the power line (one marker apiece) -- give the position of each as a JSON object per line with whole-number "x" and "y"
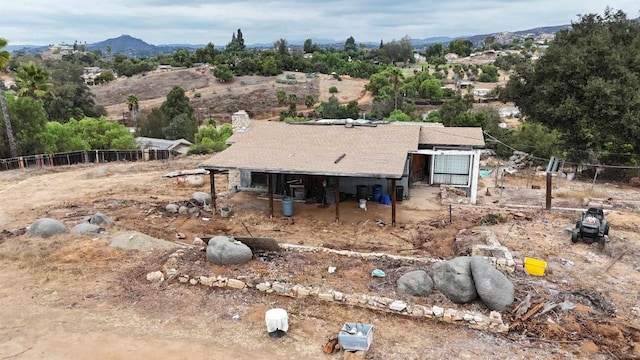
{"x": 565, "y": 162}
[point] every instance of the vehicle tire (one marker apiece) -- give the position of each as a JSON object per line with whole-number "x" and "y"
{"x": 606, "y": 230}
{"x": 574, "y": 238}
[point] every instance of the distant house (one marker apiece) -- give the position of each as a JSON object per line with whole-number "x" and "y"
{"x": 345, "y": 155}
{"x": 90, "y": 73}
{"x": 509, "y": 111}
{"x": 480, "y": 92}
{"x": 180, "y": 146}
{"x": 451, "y": 57}
{"x": 165, "y": 67}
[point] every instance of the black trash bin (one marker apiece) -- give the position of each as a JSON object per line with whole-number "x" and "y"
{"x": 399, "y": 193}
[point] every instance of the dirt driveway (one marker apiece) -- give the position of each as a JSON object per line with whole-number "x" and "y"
{"x": 75, "y": 297}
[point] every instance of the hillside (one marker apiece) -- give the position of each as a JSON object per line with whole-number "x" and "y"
{"x": 255, "y": 94}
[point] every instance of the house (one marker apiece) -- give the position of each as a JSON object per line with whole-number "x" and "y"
{"x": 180, "y": 146}
{"x": 480, "y": 92}
{"x": 343, "y": 156}
{"x": 89, "y": 74}
{"x": 451, "y": 57}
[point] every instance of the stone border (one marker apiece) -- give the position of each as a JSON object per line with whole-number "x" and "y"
{"x": 476, "y": 320}
{"x": 499, "y": 256}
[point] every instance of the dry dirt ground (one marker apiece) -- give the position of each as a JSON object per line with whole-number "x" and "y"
{"x": 255, "y": 94}
{"x": 74, "y": 297}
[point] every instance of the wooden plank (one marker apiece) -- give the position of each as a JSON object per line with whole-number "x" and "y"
{"x": 256, "y": 243}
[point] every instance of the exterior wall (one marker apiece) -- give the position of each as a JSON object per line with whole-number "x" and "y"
{"x": 234, "y": 179}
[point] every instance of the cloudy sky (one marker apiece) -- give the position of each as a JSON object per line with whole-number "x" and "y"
{"x": 41, "y": 22}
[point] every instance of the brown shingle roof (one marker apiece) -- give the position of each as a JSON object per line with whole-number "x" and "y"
{"x": 454, "y": 136}
{"x": 379, "y": 151}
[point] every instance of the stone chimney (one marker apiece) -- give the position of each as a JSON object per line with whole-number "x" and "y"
{"x": 240, "y": 121}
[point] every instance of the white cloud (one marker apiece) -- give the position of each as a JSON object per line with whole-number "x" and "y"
{"x": 202, "y": 21}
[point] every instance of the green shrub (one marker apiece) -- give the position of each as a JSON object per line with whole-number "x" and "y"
{"x": 333, "y": 90}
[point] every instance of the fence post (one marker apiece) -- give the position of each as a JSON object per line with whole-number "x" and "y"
{"x": 548, "y": 198}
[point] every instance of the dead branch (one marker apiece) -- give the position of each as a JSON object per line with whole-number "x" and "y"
{"x": 614, "y": 261}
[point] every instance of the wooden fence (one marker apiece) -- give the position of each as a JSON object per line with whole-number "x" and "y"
{"x": 82, "y": 157}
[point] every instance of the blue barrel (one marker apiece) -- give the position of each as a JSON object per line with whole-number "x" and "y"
{"x": 377, "y": 192}
{"x": 287, "y": 206}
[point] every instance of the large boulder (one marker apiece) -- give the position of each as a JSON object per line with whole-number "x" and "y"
{"x": 87, "y": 228}
{"x": 224, "y": 250}
{"x": 101, "y": 219}
{"x": 46, "y": 227}
{"x": 133, "y": 240}
{"x": 493, "y": 287}
{"x": 415, "y": 283}
{"x": 453, "y": 278}
{"x": 194, "y": 180}
{"x": 201, "y": 197}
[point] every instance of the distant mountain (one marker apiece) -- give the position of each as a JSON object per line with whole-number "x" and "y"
{"x": 125, "y": 44}
{"x": 12, "y": 48}
{"x": 134, "y": 47}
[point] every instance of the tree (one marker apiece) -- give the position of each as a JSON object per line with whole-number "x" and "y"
{"x": 223, "y": 73}
{"x": 488, "y": 41}
{"x": 176, "y": 103}
{"x": 395, "y": 79}
{"x": 308, "y": 46}
{"x": 29, "y": 119}
{"x": 398, "y": 115}
{"x": 155, "y": 123}
{"x": 431, "y": 89}
{"x": 350, "y": 45}
{"x": 134, "y": 107}
{"x": 309, "y": 100}
{"x": 70, "y": 96}
{"x": 181, "y": 126}
{"x": 281, "y": 96}
{"x": 435, "y": 50}
{"x": 5, "y": 56}
{"x": 33, "y": 80}
{"x": 489, "y": 73}
{"x": 585, "y": 86}
{"x": 461, "y": 47}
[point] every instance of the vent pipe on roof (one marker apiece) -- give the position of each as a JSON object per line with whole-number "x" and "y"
{"x": 348, "y": 123}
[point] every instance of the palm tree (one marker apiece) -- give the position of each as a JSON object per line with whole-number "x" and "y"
{"x": 132, "y": 104}
{"x": 33, "y": 80}
{"x": 4, "y": 60}
{"x": 395, "y": 78}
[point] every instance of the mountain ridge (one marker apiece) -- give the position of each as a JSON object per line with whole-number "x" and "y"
{"x": 136, "y": 47}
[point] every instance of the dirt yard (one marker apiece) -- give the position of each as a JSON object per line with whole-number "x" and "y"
{"x": 75, "y": 297}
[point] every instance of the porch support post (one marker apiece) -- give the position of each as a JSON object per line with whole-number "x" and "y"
{"x": 337, "y": 198}
{"x": 213, "y": 190}
{"x": 475, "y": 173}
{"x": 270, "y": 191}
{"x": 393, "y": 202}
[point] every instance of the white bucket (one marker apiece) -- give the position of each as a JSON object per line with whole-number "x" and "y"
{"x": 363, "y": 204}
{"x": 225, "y": 212}
{"x": 277, "y": 321}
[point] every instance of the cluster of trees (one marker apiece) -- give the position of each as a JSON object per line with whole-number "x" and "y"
{"x": 585, "y": 87}
{"x": 173, "y": 120}
{"x": 51, "y": 110}
{"x": 579, "y": 101}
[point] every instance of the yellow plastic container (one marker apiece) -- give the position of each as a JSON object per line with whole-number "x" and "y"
{"x": 534, "y": 267}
